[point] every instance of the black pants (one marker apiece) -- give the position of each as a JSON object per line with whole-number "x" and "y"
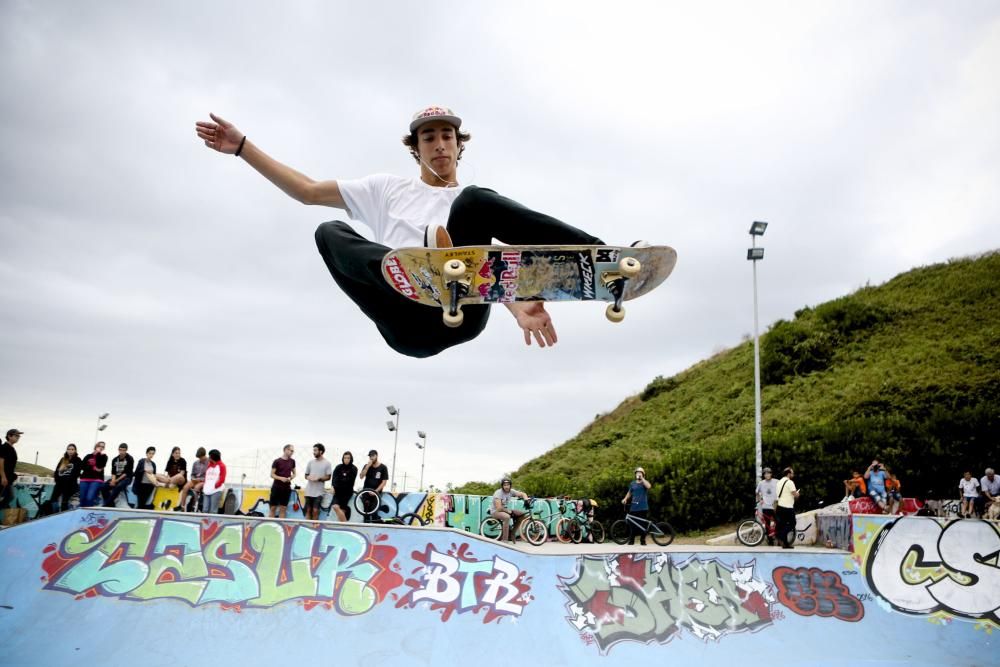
{"x": 62, "y": 492}
{"x": 477, "y": 216}
{"x": 143, "y": 496}
{"x": 785, "y": 532}
{"x": 633, "y": 531}
{"x": 111, "y": 493}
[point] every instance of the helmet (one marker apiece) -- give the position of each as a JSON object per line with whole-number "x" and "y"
{"x": 506, "y": 480}
{"x": 593, "y": 503}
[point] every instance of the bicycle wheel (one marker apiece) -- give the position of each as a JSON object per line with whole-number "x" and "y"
{"x": 563, "y": 531}
{"x": 534, "y": 531}
{"x": 750, "y": 533}
{"x": 491, "y": 528}
{"x": 664, "y": 533}
{"x": 575, "y": 531}
{"x": 620, "y": 531}
{"x": 597, "y": 532}
{"x": 367, "y": 502}
{"x": 411, "y": 520}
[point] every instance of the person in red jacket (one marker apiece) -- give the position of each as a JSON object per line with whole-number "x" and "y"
{"x": 215, "y": 477}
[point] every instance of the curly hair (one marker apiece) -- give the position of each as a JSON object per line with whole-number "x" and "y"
{"x": 410, "y": 141}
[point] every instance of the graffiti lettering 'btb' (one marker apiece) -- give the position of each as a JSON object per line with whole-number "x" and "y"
{"x": 809, "y": 591}
{"x": 921, "y": 567}
{"x": 455, "y": 581}
{"x": 236, "y": 565}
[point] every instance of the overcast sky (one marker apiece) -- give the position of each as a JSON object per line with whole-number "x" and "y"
{"x": 143, "y": 275}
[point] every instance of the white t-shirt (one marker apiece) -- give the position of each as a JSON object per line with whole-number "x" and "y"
{"x": 768, "y": 490}
{"x": 317, "y": 469}
{"x": 397, "y": 209}
{"x": 969, "y": 487}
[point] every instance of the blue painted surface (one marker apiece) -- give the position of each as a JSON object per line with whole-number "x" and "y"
{"x": 241, "y": 590}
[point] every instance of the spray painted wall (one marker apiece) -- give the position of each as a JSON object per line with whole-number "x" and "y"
{"x": 918, "y": 590}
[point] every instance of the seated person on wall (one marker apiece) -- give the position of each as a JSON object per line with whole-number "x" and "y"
{"x": 875, "y": 476}
{"x": 989, "y": 492}
{"x": 855, "y": 486}
{"x": 67, "y": 480}
{"x": 197, "y": 481}
{"x": 122, "y": 467}
{"x": 893, "y": 492}
{"x": 176, "y": 470}
{"x": 144, "y": 484}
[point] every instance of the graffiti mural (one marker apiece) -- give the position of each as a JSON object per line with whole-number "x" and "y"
{"x": 457, "y": 582}
{"x": 923, "y": 565}
{"x": 232, "y": 564}
{"x": 651, "y": 598}
{"x": 809, "y": 591}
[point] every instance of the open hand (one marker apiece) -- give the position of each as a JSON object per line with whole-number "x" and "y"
{"x": 220, "y": 135}
{"x": 533, "y": 319}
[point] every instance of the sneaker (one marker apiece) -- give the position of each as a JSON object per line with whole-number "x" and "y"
{"x": 436, "y": 236}
{"x": 640, "y": 244}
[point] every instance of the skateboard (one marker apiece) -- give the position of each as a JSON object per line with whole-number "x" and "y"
{"x": 450, "y": 278}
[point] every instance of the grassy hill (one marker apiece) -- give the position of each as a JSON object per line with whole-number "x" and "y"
{"x": 32, "y": 469}
{"x": 908, "y": 372}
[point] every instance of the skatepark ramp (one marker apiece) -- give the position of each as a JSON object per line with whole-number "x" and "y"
{"x": 252, "y": 591}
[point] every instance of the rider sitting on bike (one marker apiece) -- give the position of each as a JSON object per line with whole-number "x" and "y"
{"x": 637, "y": 501}
{"x": 502, "y": 509}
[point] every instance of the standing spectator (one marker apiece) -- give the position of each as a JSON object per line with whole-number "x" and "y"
{"x": 8, "y": 464}
{"x": 989, "y": 487}
{"x": 175, "y": 472}
{"x": 344, "y": 477}
{"x": 197, "y": 481}
{"x": 282, "y": 472}
{"x": 504, "y": 512}
{"x": 854, "y": 487}
{"x": 787, "y": 493}
{"x": 67, "y": 475}
{"x": 875, "y": 477}
{"x": 637, "y": 501}
{"x": 375, "y": 476}
{"x": 215, "y": 477}
{"x": 967, "y": 493}
{"x": 767, "y": 497}
{"x": 122, "y": 469}
{"x": 144, "y": 485}
{"x": 92, "y": 477}
{"x": 893, "y": 492}
{"x": 318, "y": 470}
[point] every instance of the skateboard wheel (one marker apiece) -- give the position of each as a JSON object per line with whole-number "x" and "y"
{"x": 629, "y": 266}
{"x": 453, "y": 321}
{"x": 454, "y": 269}
{"x": 614, "y": 315}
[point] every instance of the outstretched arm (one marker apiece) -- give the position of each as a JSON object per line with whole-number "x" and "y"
{"x": 534, "y": 321}
{"x": 222, "y": 136}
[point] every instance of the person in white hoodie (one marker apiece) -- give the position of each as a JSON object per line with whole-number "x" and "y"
{"x": 215, "y": 477}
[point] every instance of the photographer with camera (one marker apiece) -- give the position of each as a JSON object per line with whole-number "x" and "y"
{"x": 875, "y": 476}
{"x": 637, "y": 501}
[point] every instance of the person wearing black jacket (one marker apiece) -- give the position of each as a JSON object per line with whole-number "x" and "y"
{"x": 67, "y": 476}
{"x": 145, "y": 480}
{"x": 92, "y": 477}
{"x": 344, "y": 477}
{"x": 122, "y": 467}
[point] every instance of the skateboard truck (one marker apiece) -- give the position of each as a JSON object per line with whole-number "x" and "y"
{"x": 458, "y": 283}
{"x": 615, "y": 281}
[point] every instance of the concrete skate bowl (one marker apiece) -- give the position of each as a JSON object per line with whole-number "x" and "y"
{"x": 171, "y": 589}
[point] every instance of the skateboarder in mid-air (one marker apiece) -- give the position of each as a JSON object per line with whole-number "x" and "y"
{"x": 431, "y": 210}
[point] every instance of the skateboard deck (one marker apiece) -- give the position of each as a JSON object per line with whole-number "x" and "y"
{"x": 450, "y": 278}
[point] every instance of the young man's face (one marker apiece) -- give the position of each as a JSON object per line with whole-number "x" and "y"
{"x": 288, "y": 451}
{"x": 437, "y": 145}
{"x": 318, "y": 454}
{"x": 122, "y": 452}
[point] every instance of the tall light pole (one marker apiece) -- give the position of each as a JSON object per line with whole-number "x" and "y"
{"x": 423, "y": 457}
{"x": 754, "y": 254}
{"x": 100, "y": 427}
{"x": 393, "y": 427}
